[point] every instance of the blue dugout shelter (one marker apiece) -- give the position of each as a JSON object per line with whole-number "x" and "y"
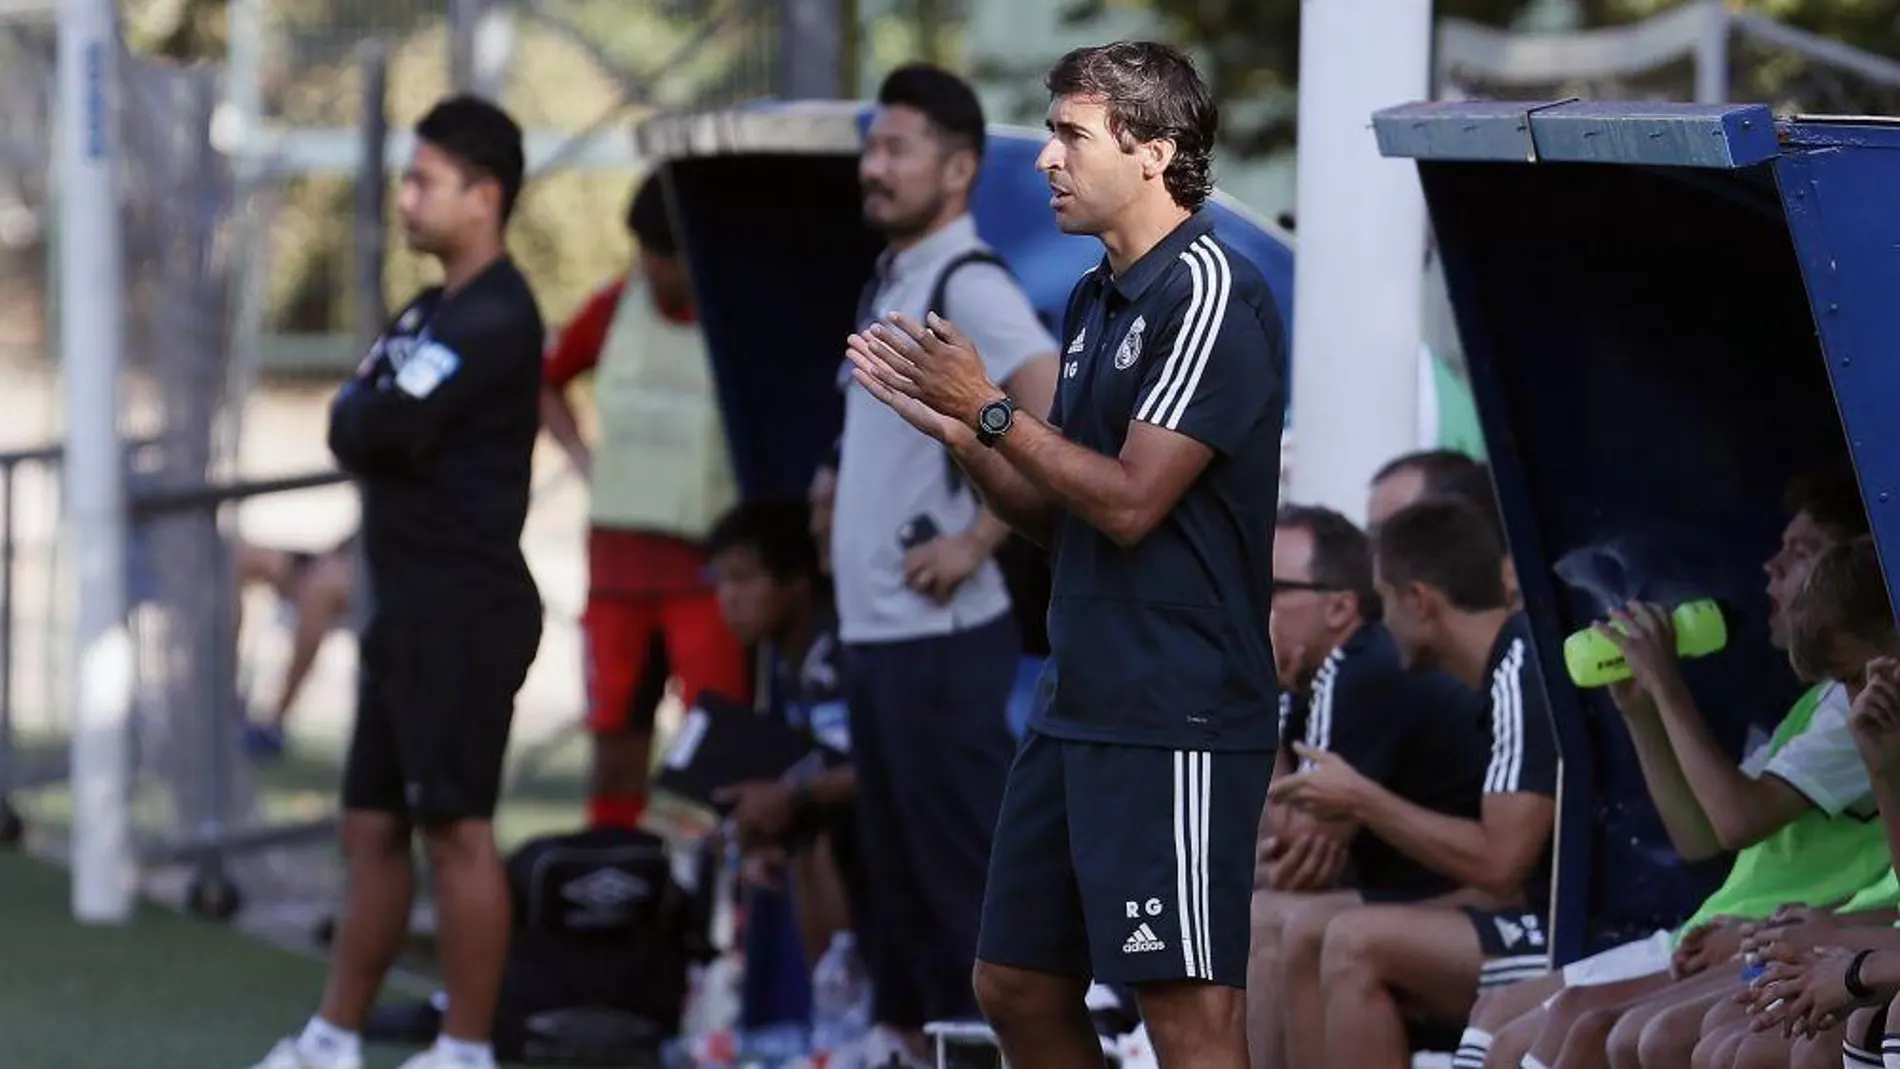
{"x": 767, "y": 199}
{"x": 1667, "y": 311}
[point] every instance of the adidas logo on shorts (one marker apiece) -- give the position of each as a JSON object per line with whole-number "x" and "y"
{"x": 1143, "y": 941}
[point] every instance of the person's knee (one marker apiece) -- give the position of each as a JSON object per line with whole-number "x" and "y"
{"x": 1716, "y": 1048}
{"x": 1268, "y": 918}
{"x": 1303, "y": 938}
{"x": 1349, "y": 953}
{"x": 1573, "y": 1004}
{"x": 372, "y": 838}
{"x": 1187, "y": 1019}
{"x": 1017, "y": 1000}
{"x": 459, "y": 844}
{"x": 1597, "y": 1028}
{"x": 1669, "y": 1037}
{"x": 1819, "y": 1052}
{"x": 326, "y": 587}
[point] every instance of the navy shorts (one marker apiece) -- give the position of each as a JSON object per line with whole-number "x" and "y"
{"x": 1514, "y": 944}
{"x": 1127, "y": 864}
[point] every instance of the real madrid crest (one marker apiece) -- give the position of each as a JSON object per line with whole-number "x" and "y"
{"x": 1130, "y": 350}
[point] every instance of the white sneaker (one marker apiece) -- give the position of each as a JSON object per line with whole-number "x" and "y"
{"x": 287, "y": 1055}
{"x": 880, "y": 1048}
{"x": 435, "y": 1059}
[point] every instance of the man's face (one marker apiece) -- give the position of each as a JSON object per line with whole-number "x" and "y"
{"x": 1304, "y": 622}
{"x": 1408, "y": 617}
{"x": 753, "y": 601}
{"x": 666, "y": 280}
{"x": 907, "y": 173}
{"x": 1092, "y": 178}
{"x": 1392, "y": 493}
{"x": 439, "y": 205}
{"x": 1801, "y": 542}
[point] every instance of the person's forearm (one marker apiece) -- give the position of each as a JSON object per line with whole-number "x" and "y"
{"x": 557, "y": 416}
{"x": 1008, "y": 495}
{"x": 1886, "y": 782}
{"x": 988, "y": 530}
{"x": 834, "y": 787}
{"x": 1096, "y": 488}
{"x": 1881, "y": 971}
{"x": 1879, "y": 923}
{"x": 1682, "y": 816}
{"x": 1451, "y": 846}
{"x": 1734, "y": 802}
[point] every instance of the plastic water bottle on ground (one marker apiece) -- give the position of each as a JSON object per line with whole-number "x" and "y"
{"x": 840, "y": 997}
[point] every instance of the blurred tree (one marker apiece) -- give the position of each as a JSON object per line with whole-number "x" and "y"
{"x": 1251, "y": 55}
{"x": 567, "y": 233}
{"x": 1251, "y": 48}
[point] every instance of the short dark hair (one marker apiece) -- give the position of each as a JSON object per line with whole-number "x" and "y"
{"x": 1437, "y": 467}
{"x": 1831, "y": 498}
{"x": 1447, "y": 544}
{"x": 480, "y": 137}
{"x": 1843, "y": 596}
{"x": 955, "y": 114}
{"x": 1342, "y": 554}
{"x": 1472, "y": 485}
{"x": 779, "y": 531}
{"x": 1152, "y": 93}
{"x": 648, "y": 220}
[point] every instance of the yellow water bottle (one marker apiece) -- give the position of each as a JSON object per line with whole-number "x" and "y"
{"x": 1594, "y": 661}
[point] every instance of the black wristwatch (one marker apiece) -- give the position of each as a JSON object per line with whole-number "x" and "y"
{"x": 994, "y": 420}
{"x": 1856, "y": 989}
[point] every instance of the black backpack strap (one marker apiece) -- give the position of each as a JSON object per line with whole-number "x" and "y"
{"x": 936, "y": 304}
{"x": 958, "y": 263}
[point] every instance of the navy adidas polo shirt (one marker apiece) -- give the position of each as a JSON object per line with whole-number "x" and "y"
{"x": 1164, "y": 643}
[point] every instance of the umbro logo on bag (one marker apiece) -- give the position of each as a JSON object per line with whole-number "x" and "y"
{"x": 1143, "y": 941}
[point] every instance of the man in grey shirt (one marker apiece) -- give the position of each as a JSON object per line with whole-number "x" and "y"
{"x": 922, "y": 606}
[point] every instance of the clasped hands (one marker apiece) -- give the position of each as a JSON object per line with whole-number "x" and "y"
{"x": 929, "y": 373}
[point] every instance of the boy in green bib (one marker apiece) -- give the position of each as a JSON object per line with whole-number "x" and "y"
{"x": 1798, "y": 812}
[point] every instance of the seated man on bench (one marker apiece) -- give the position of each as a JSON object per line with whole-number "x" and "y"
{"x": 1440, "y": 571}
{"x": 1409, "y": 731}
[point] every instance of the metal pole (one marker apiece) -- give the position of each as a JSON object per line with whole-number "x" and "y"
{"x": 90, "y": 342}
{"x": 244, "y": 85}
{"x": 811, "y": 49}
{"x": 465, "y": 19}
{"x": 371, "y": 239}
{"x": 1362, "y": 246}
{"x": 1711, "y": 54}
{"x": 6, "y": 636}
{"x": 372, "y": 195}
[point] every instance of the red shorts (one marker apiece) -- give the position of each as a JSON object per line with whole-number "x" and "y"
{"x": 635, "y": 643}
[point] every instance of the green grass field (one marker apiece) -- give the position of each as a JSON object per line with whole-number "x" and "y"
{"x": 163, "y": 992}
{"x": 168, "y": 991}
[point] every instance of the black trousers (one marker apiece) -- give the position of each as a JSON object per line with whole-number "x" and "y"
{"x": 931, "y": 743}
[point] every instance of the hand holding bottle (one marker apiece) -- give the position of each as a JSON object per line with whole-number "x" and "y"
{"x": 1642, "y": 642}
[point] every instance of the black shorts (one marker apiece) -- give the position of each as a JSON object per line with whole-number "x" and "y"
{"x": 435, "y": 700}
{"x": 1515, "y": 944}
{"x": 1125, "y": 863}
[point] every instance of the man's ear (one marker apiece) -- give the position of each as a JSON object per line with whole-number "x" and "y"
{"x": 1341, "y": 609}
{"x": 960, "y": 170}
{"x": 1156, "y": 155}
{"x": 1429, "y": 601}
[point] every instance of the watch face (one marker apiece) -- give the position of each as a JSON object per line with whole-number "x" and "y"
{"x": 995, "y": 417}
